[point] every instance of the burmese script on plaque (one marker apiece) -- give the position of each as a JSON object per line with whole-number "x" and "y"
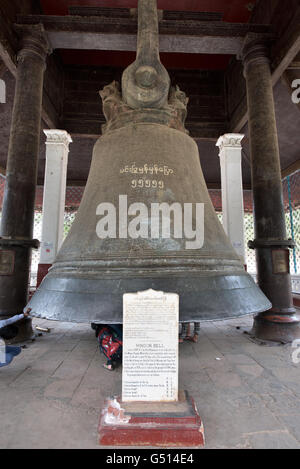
{"x": 150, "y": 346}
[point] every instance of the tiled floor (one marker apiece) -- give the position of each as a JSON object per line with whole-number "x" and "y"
{"x": 247, "y": 395}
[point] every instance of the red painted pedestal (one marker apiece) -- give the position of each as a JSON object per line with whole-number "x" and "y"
{"x": 296, "y": 300}
{"x": 42, "y": 272}
{"x": 163, "y": 424}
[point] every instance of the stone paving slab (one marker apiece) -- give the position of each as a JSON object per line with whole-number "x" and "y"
{"x": 248, "y": 395}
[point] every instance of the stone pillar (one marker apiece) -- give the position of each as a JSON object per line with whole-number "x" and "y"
{"x": 57, "y": 150}
{"x": 232, "y": 190}
{"x": 272, "y": 248}
{"x": 21, "y": 175}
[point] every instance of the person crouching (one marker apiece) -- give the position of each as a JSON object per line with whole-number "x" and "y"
{"x": 109, "y": 337}
{"x": 8, "y": 352}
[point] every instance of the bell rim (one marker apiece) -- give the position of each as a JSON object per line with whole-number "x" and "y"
{"x": 84, "y": 301}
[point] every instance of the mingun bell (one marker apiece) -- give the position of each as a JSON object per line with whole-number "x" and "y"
{"x": 116, "y": 244}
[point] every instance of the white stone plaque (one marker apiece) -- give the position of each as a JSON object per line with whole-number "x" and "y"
{"x": 150, "y": 346}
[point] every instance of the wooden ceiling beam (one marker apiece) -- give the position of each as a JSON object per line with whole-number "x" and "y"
{"x": 295, "y": 64}
{"x": 8, "y": 56}
{"x": 283, "y": 53}
{"x": 104, "y": 33}
{"x": 7, "y": 44}
{"x": 291, "y": 169}
{"x": 286, "y": 49}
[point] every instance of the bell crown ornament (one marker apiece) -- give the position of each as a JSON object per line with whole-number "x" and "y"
{"x": 146, "y": 220}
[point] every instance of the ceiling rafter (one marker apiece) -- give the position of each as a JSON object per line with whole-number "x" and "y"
{"x": 110, "y": 33}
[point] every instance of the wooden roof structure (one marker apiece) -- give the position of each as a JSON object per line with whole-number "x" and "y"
{"x": 200, "y": 42}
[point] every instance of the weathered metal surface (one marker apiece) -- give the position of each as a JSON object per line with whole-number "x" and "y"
{"x": 146, "y": 82}
{"x": 90, "y": 275}
{"x": 145, "y": 154}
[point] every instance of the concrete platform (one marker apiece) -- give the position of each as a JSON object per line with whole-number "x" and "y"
{"x": 248, "y": 396}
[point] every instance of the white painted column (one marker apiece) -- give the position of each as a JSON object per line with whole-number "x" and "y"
{"x": 232, "y": 190}
{"x": 57, "y": 150}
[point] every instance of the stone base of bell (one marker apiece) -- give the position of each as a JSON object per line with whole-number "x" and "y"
{"x": 276, "y": 327}
{"x": 161, "y": 424}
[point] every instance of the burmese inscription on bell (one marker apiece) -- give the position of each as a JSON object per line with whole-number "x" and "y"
{"x": 150, "y": 346}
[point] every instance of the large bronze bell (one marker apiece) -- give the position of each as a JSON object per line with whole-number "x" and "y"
{"x": 146, "y": 157}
